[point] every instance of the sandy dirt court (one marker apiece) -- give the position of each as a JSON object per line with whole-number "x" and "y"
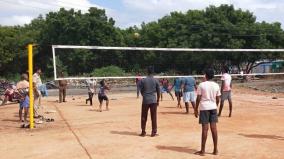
{"x": 256, "y": 130}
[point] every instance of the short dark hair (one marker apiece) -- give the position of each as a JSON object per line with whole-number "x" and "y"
{"x": 225, "y": 69}
{"x": 209, "y": 73}
{"x": 102, "y": 82}
{"x": 24, "y": 76}
{"x": 37, "y": 68}
{"x": 150, "y": 70}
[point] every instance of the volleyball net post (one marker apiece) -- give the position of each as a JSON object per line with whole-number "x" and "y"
{"x": 31, "y": 96}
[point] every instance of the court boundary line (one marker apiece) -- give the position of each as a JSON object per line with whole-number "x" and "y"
{"x": 73, "y": 132}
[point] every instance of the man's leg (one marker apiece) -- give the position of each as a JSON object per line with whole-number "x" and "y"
{"x": 230, "y": 106}
{"x": 203, "y": 139}
{"x": 5, "y": 100}
{"x": 171, "y": 95}
{"x": 21, "y": 114}
{"x": 193, "y": 105}
{"x": 107, "y": 102}
{"x": 187, "y": 107}
{"x": 60, "y": 95}
{"x": 88, "y": 98}
{"x": 26, "y": 110}
{"x": 213, "y": 127}
{"x": 138, "y": 91}
{"x": 179, "y": 99}
{"x": 91, "y": 98}
{"x": 153, "y": 109}
{"x": 144, "y": 114}
{"x": 221, "y": 107}
{"x": 64, "y": 94}
{"x": 101, "y": 103}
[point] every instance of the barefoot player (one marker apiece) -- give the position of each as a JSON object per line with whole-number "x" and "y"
{"x": 226, "y": 88}
{"x": 208, "y": 96}
{"x": 178, "y": 91}
{"x": 102, "y": 95}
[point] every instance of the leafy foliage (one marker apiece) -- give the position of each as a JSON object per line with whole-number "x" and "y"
{"x": 108, "y": 71}
{"x": 214, "y": 27}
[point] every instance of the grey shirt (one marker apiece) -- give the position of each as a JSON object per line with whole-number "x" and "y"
{"x": 149, "y": 88}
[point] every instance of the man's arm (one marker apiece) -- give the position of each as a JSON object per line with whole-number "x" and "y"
{"x": 195, "y": 86}
{"x": 222, "y": 86}
{"x": 141, "y": 86}
{"x": 217, "y": 100}
{"x": 198, "y": 99}
{"x": 182, "y": 85}
{"x": 95, "y": 89}
{"x": 158, "y": 92}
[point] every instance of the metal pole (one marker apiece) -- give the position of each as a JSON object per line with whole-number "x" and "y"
{"x": 30, "y": 62}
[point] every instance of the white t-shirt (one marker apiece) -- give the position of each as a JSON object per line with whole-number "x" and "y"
{"x": 227, "y": 81}
{"x": 37, "y": 80}
{"x": 208, "y": 91}
{"x": 91, "y": 84}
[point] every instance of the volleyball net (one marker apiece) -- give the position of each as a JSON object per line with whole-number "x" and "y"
{"x": 85, "y": 59}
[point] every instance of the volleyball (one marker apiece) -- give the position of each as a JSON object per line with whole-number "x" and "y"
{"x": 136, "y": 35}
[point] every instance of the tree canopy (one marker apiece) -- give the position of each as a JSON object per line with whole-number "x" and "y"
{"x": 214, "y": 27}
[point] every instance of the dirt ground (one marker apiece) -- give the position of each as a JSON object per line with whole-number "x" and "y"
{"x": 254, "y": 131}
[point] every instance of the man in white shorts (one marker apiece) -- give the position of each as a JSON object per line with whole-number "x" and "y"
{"x": 188, "y": 86}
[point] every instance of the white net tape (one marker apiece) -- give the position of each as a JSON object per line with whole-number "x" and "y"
{"x": 156, "y": 49}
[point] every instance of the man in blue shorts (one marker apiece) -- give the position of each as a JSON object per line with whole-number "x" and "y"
{"x": 22, "y": 90}
{"x": 165, "y": 88}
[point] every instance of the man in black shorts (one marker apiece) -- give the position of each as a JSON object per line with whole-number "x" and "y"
{"x": 208, "y": 96}
{"x": 150, "y": 91}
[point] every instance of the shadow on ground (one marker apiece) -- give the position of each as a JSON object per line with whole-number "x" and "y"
{"x": 165, "y": 113}
{"x": 177, "y": 149}
{"x": 11, "y": 120}
{"x": 124, "y": 133}
{"x": 259, "y": 136}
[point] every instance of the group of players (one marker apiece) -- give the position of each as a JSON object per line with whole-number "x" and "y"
{"x": 185, "y": 87}
{"x": 205, "y": 103}
{"x": 206, "y": 95}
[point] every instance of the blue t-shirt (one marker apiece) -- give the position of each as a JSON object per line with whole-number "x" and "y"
{"x": 177, "y": 84}
{"x": 189, "y": 84}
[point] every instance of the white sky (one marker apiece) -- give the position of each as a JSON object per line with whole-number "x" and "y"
{"x": 132, "y": 12}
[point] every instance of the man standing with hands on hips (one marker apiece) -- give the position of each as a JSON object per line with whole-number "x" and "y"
{"x": 150, "y": 91}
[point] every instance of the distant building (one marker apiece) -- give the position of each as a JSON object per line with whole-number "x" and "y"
{"x": 269, "y": 67}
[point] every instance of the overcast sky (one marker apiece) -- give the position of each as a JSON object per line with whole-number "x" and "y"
{"x": 133, "y": 12}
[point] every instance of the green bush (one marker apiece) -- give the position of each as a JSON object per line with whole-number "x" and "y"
{"x": 108, "y": 71}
